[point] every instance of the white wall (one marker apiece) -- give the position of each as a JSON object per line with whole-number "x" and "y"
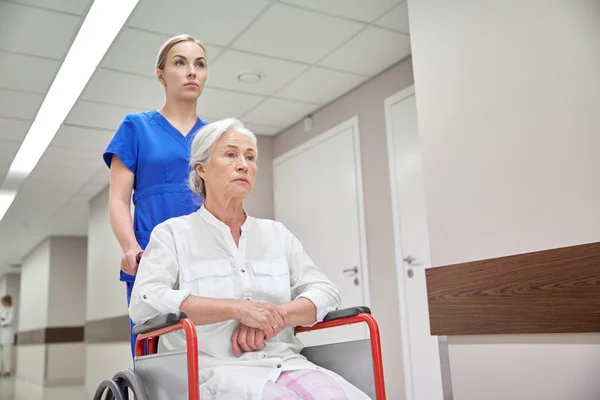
{"x": 105, "y": 293}
{"x": 259, "y": 203}
{"x": 35, "y": 276}
{"x": 31, "y": 363}
{"x": 52, "y": 294}
{"x": 67, "y": 299}
{"x": 106, "y": 296}
{"x": 508, "y": 100}
{"x": 65, "y": 364}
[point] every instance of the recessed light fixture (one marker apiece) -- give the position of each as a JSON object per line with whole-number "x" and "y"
{"x": 249, "y": 77}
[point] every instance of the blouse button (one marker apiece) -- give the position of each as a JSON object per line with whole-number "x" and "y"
{"x": 278, "y": 365}
{"x": 243, "y": 270}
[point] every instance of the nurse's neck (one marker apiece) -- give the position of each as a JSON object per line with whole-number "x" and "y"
{"x": 182, "y": 115}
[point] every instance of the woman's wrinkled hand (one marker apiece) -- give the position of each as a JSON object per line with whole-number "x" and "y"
{"x": 246, "y": 339}
{"x": 268, "y": 318}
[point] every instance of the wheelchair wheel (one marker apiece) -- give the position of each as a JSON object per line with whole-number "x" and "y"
{"x": 119, "y": 386}
{"x": 128, "y": 379}
{"x": 111, "y": 389}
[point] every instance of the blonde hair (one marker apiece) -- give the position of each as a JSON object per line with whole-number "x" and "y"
{"x": 168, "y": 45}
{"x": 204, "y": 144}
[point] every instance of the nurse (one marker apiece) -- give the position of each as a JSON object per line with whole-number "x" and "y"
{"x": 149, "y": 155}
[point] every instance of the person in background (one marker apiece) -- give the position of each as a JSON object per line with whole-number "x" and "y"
{"x": 6, "y": 336}
{"x": 149, "y": 155}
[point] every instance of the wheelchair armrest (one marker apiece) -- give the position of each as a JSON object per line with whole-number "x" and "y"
{"x": 346, "y": 313}
{"x": 160, "y": 321}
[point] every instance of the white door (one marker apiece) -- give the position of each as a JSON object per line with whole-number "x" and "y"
{"x": 421, "y": 352}
{"x": 318, "y": 196}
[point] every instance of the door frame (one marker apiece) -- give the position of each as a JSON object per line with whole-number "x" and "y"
{"x": 398, "y": 250}
{"x": 353, "y": 124}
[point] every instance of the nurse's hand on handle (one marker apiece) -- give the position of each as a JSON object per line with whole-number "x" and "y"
{"x": 130, "y": 261}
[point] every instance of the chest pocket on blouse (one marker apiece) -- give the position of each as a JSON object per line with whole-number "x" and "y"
{"x": 273, "y": 278}
{"x": 209, "y": 279}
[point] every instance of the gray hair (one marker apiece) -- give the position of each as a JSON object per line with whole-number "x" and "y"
{"x": 204, "y": 144}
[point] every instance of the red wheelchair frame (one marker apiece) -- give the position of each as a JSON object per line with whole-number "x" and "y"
{"x": 149, "y": 340}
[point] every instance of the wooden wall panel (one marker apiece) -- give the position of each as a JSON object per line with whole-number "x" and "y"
{"x": 550, "y": 291}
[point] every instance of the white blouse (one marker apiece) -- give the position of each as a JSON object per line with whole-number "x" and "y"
{"x": 196, "y": 254}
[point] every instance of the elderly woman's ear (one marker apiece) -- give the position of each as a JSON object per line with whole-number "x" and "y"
{"x": 201, "y": 171}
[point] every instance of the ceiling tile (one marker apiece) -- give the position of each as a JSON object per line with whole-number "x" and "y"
{"x": 91, "y": 190}
{"x": 361, "y": 10}
{"x": 281, "y": 113}
{"x": 72, "y": 220}
{"x": 79, "y": 7}
{"x": 216, "y": 103}
{"x": 397, "y": 19}
{"x": 26, "y": 207}
{"x": 294, "y": 34}
{"x": 53, "y": 172}
{"x": 320, "y": 85}
{"x": 38, "y": 186}
{"x": 276, "y": 73}
{"x": 101, "y": 177}
{"x": 53, "y": 31}
{"x": 72, "y": 159}
{"x": 79, "y": 199}
{"x": 124, "y": 89}
{"x": 13, "y": 130}
{"x": 214, "y": 22}
{"x": 51, "y": 190}
{"x": 8, "y": 150}
{"x": 369, "y": 59}
{"x": 262, "y": 130}
{"x": 19, "y": 104}
{"x": 95, "y": 115}
{"x": 136, "y": 51}
{"x": 75, "y": 137}
{"x": 27, "y": 73}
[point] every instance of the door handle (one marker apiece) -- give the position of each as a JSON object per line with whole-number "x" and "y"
{"x": 409, "y": 260}
{"x": 355, "y": 270}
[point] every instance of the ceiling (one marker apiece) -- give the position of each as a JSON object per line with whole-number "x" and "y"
{"x": 310, "y": 52}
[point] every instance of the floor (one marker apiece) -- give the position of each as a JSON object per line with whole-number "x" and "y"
{"x": 13, "y": 389}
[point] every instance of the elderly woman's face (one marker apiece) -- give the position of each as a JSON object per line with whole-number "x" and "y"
{"x": 231, "y": 168}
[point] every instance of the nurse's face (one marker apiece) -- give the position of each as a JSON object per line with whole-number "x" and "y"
{"x": 231, "y": 168}
{"x": 184, "y": 73}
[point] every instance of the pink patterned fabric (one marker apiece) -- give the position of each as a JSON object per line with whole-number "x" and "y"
{"x": 304, "y": 385}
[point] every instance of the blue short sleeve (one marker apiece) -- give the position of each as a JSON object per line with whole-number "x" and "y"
{"x": 124, "y": 145}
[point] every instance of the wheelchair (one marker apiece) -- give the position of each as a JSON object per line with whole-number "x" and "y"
{"x": 174, "y": 375}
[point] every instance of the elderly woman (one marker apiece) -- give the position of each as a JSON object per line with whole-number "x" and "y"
{"x": 245, "y": 282}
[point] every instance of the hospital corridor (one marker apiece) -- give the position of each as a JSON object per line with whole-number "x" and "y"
{"x": 299, "y": 200}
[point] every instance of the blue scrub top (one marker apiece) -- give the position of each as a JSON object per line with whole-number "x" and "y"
{"x": 158, "y": 155}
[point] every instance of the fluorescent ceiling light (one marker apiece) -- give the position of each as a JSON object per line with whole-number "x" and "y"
{"x": 100, "y": 27}
{"x": 6, "y": 199}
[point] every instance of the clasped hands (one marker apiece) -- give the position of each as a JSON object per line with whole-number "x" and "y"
{"x": 257, "y": 322}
